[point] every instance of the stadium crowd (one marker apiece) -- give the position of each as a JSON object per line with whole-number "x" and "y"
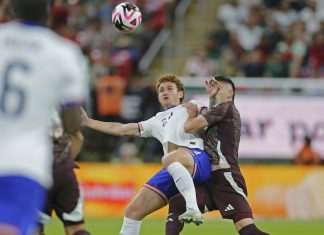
{"x": 264, "y": 38}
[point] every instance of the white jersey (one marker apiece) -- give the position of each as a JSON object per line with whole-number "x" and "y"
{"x": 168, "y": 126}
{"x": 38, "y": 70}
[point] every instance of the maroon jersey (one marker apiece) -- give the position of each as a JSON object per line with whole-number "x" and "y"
{"x": 61, "y": 144}
{"x": 223, "y": 133}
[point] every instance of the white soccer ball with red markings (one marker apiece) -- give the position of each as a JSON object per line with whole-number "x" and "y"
{"x": 126, "y": 17}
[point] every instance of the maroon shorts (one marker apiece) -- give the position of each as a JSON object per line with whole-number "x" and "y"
{"x": 64, "y": 197}
{"x": 225, "y": 192}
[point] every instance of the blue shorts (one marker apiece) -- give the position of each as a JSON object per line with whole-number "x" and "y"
{"x": 20, "y": 200}
{"x": 163, "y": 184}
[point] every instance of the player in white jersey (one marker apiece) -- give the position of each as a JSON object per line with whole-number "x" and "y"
{"x": 38, "y": 70}
{"x": 184, "y": 159}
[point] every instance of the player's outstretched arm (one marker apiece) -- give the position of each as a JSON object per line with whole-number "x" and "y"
{"x": 110, "y": 128}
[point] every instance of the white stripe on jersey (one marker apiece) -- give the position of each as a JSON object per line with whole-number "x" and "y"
{"x": 230, "y": 179}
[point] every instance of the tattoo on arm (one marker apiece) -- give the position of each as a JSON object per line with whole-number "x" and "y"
{"x": 212, "y": 101}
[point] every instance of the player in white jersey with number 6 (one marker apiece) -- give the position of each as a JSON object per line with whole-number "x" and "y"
{"x": 38, "y": 70}
{"x": 184, "y": 159}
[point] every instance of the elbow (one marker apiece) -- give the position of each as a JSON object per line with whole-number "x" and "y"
{"x": 80, "y": 137}
{"x": 73, "y": 130}
{"x": 189, "y": 129}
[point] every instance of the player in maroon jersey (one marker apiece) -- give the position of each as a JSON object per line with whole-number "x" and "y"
{"x": 226, "y": 189}
{"x": 64, "y": 197}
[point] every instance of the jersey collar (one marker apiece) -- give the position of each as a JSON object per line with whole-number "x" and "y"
{"x": 30, "y": 23}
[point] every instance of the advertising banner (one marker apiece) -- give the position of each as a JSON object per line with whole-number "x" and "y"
{"x": 273, "y": 191}
{"x": 275, "y": 126}
{"x": 107, "y": 188}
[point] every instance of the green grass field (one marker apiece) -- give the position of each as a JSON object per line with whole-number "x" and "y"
{"x": 111, "y": 226}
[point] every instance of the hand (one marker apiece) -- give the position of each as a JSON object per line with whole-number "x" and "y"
{"x": 192, "y": 109}
{"x": 84, "y": 117}
{"x": 212, "y": 86}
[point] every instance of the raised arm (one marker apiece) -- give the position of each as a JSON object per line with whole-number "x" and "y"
{"x": 110, "y": 128}
{"x": 195, "y": 121}
{"x": 212, "y": 88}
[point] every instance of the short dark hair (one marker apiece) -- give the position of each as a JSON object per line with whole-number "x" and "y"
{"x": 31, "y": 10}
{"x": 225, "y": 79}
{"x": 308, "y": 140}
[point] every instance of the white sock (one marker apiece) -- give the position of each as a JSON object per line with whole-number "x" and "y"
{"x": 184, "y": 183}
{"x": 130, "y": 227}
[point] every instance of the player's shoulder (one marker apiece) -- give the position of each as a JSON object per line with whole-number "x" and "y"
{"x": 197, "y": 102}
{"x": 200, "y": 105}
{"x": 50, "y": 40}
{"x": 226, "y": 108}
{"x": 159, "y": 114}
{"x": 6, "y": 25}
{"x": 64, "y": 52}
{"x": 225, "y": 104}
{"x": 5, "y": 28}
{"x": 62, "y": 45}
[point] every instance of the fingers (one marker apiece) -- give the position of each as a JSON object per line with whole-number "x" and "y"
{"x": 218, "y": 83}
{"x": 209, "y": 83}
{"x": 210, "y": 80}
{"x": 215, "y": 82}
{"x": 213, "y": 79}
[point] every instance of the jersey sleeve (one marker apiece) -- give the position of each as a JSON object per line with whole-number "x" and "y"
{"x": 75, "y": 79}
{"x": 199, "y": 104}
{"x": 146, "y": 127}
{"x": 217, "y": 113}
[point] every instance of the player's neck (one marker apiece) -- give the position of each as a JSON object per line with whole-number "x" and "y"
{"x": 31, "y": 23}
{"x": 219, "y": 101}
{"x": 170, "y": 106}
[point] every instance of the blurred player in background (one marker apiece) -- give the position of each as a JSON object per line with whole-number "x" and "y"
{"x": 226, "y": 190}
{"x": 184, "y": 159}
{"x": 301, "y": 200}
{"x": 307, "y": 155}
{"x": 64, "y": 197}
{"x": 38, "y": 70}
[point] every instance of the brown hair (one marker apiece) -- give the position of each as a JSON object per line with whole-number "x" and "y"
{"x": 169, "y": 77}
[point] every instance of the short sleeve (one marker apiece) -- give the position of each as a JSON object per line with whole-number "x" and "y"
{"x": 146, "y": 127}
{"x": 217, "y": 113}
{"x": 199, "y": 104}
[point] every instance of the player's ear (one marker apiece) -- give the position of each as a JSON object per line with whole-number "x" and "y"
{"x": 180, "y": 95}
{"x": 231, "y": 94}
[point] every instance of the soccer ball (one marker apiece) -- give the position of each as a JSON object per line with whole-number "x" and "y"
{"x": 126, "y": 17}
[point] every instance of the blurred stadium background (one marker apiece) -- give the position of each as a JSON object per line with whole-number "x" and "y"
{"x": 273, "y": 49}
